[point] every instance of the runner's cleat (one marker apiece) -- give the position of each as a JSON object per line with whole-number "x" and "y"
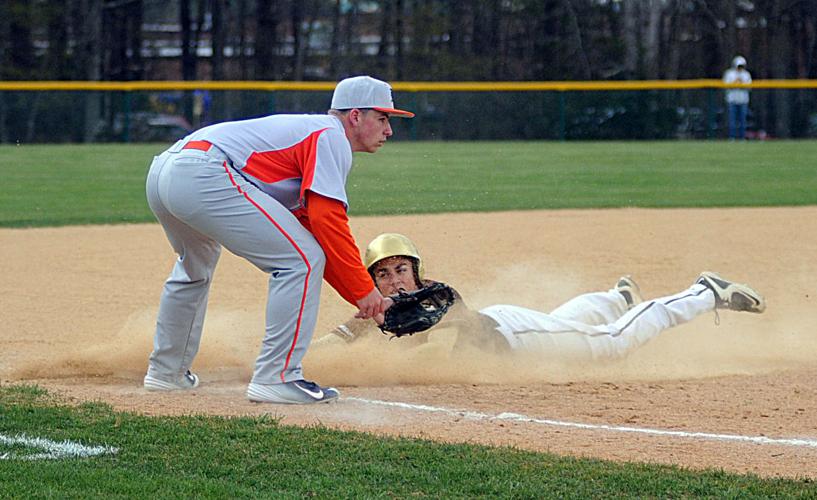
{"x": 629, "y": 289}
{"x": 734, "y": 296}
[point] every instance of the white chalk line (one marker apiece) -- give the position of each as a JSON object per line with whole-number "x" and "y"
{"x": 515, "y": 417}
{"x": 53, "y": 449}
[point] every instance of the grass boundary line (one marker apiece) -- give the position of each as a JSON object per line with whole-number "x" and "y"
{"x": 53, "y": 449}
{"x": 516, "y": 417}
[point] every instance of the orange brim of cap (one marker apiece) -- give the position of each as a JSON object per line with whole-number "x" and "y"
{"x": 396, "y": 112}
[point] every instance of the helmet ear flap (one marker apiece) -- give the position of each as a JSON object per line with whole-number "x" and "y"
{"x": 415, "y": 265}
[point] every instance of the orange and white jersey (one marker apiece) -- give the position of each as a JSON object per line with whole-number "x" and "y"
{"x": 286, "y": 155}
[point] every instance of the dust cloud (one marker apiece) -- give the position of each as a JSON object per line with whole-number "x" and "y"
{"x": 740, "y": 344}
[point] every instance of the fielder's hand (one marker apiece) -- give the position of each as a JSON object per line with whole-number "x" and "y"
{"x": 372, "y": 305}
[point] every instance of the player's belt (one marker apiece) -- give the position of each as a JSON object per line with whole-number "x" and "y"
{"x": 208, "y": 147}
{"x": 200, "y": 145}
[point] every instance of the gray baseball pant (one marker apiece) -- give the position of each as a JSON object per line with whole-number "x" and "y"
{"x": 202, "y": 204}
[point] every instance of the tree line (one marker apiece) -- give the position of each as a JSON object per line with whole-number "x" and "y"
{"x": 404, "y": 39}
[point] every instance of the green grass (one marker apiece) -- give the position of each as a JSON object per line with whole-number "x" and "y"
{"x": 528, "y": 175}
{"x": 54, "y": 185}
{"x": 91, "y": 184}
{"x": 202, "y": 456}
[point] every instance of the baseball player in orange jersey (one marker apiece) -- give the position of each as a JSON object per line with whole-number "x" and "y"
{"x": 592, "y": 326}
{"x": 271, "y": 190}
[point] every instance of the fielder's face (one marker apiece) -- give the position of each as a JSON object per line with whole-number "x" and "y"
{"x": 371, "y": 129}
{"x": 394, "y": 274}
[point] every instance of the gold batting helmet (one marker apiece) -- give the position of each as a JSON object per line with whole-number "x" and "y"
{"x": 391, "y": 245}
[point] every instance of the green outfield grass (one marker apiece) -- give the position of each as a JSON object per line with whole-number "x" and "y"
{"x": 92, "y": 184}
{"x": 210, "y": 457}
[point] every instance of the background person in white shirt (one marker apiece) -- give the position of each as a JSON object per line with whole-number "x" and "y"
{"x": 737, "y": 100}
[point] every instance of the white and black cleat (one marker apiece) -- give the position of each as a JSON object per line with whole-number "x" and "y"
{"x": 732, "y": 296}
{"x": 630, "y": 290}
{"x": 298, "y": 392}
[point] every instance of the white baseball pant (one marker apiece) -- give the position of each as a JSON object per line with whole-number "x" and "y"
{"x": 598, "y": 325}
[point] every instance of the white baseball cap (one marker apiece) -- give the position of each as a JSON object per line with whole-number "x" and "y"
{"x": 366, "y": 92}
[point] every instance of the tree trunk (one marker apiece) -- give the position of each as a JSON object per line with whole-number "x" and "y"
{"x": 384, "y": 58}
{"x": 779, "y": 44}
{"x": 670, "y": 53}
{"x": 56, "y": 63}
{"x": 217, "y": 36}
{"x": 350, "y": 33}
{"x": 486, "y": 29}
{"x": 266, "y": 40}
{"x": 334, "y": 44}
{"x": 5, "y": 42}
{"x": 730, "y": 42}
{"x": 23, "y": 60}
{"x": 297, "y": 19}
{"x": 713, "y": 46}
{"x": 457, "y": 26}
{"x": 584, "y": 70}
{"x": 398, "y": 42}
{"x": 631, "y": 12}
{"x": 806, "y": 19}
{"x": 189, "y": 56}
{"x": 134, "y": 16}
{"x": 652, "y": 39}
{"x": 21, "y": 44}
{"x": 88, "y": 17}
{"x": 199, "y": 26}
{"x": 243, "y": 62}
{"x": 188, "y": 48}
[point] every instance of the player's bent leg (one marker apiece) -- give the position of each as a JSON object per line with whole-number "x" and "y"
{"x": 292, "y": 310}
{"x": 184, "y": 297}
{"x": 181, "y": 311}
{"x": 648, "y": 319}
{"x": 271, "y": 238}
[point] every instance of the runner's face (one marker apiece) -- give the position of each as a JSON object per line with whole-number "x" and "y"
{"x": 394, "y": 274}
{"x": 372, "y": 130}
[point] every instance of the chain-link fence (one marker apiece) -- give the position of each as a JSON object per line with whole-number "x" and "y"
{"x": 163, "y": 115}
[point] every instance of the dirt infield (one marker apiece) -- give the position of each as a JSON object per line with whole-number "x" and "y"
{"x": 78, "y": 306}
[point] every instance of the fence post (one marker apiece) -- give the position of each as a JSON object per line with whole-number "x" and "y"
{"x": 126, "y": 105}
{"x": 711, "y": 117}
{"x": 562, "y": 117}
{"x": 413, "y": 121}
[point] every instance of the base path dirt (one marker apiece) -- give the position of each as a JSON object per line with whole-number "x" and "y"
{"x": 735, "y": 391}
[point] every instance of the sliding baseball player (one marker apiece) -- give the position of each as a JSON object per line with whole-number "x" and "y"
{"x": 598, "y": 325}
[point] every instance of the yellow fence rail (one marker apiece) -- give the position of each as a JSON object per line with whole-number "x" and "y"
{"x": 402, "y": 86}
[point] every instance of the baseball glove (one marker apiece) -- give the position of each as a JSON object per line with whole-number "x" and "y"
{"x": 417, "y": 311}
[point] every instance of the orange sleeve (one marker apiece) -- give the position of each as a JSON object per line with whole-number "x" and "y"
{"x": 327, "y": 220}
